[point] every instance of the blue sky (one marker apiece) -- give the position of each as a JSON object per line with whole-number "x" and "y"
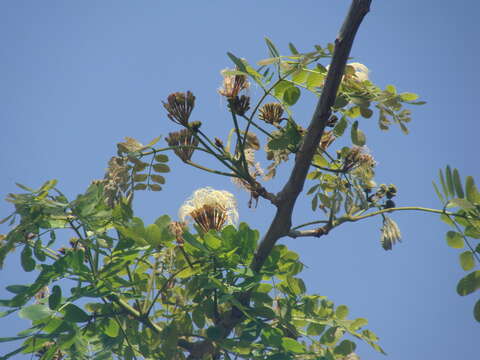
{"x": 79, "y": 76}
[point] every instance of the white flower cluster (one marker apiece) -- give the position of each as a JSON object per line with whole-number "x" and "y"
{"x": 208, "y": 196}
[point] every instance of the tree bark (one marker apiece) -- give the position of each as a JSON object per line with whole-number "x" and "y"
{"x": 287, "y": 197}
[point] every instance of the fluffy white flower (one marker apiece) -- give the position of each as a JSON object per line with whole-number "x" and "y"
{"x": 361, "y": 71}
{"x": 210, "y": 208}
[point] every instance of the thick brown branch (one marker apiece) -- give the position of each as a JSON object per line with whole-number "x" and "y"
{"x": 282, "y": 221}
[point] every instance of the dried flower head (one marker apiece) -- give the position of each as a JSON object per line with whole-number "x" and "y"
{"x": 327, "y": 139}
{"x": 233, "y": 84}
{"x": 390, "y": 233}
{"x": 129, "y": 145}
{"x": 184, "y": 142}
{"x": 179, "y": 106}
{"x": 359, "y": 156}
{"x": 271, "y": 113}
{"x": 177, "y": 228}
{"x": 116, "y": 180}
{"x": 254, "y": 169}
{"x": 239, "y": 104}
{"x": 211, "y": 209}
{"x": 361, "y": 71}
{"x": 42, "y": 294}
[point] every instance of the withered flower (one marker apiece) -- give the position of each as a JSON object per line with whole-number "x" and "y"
{"x": 232, "y": 84}
{"x": 239, "y": 104}
{"x": 116, "y": 180}
{"x": 184, "y": 142}
{"x": 390, "y": 233}
{"x": 361, "y": 71}
{"x": 177, "y": 229}
{"x": 327, "y": 139}
{"x": 210, "y": 209}
{"x": 271, "y": 113}
{"x": 42, "y": 294}
{"x": 359, "y": 157}
{"x": 179, "y": 106}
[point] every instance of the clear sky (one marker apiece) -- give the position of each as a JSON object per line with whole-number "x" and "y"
{"x": 78, "y": 76}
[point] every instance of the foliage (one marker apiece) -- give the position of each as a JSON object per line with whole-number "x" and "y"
{"x": 123, "y": 289}
{"x": 466, "y": 227}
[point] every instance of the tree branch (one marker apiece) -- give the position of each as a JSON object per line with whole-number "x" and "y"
{"x": 282, "y": 221}
{"x": 287, "y": 197}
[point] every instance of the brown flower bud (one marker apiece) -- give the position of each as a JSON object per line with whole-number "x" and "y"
{"x": 271, "y": 113}
{"x": 179, "y": 106}
{"x": 184, "y": 142}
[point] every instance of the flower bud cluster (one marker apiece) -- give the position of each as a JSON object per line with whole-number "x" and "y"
{"x": 179, "y": 106}
{"x": 184, "y": 142}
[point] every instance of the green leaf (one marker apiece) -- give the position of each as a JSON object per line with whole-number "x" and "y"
{"x": 292, "y": 345}
{"x": 238, "y": 62}
{"x": 449, "y": 176}
{"x": 437, "y": 191}
{"x": 443, "y": 183}
{"x": 140, "y": 177}
{"x": 157, "y": 178}
{"x": 35, "y": 312}
{"x": 17, "y": 289}
{"x": 467, "y": 261}
{"x": 315, "y": 329}
{"x": 455, "y": 240}
{"x": 340, "y": 102}
{"x": 300, "y": 76}
{"x": 140, "y": 187}
{"x": 457, "y": 182}
{"x": 269, "y": 61}
{"x": 161, "y": 158}
{"x": 153, "y": 235}
{"x": 111, "y": 329}
{"x": 391, "y": 89}
{"x": 212, "y": 241}
{"x": 291, "y": 95}
{"x": 461, "y": 203}
{"x": 476, "y": 311}
{"x": 296, "y": 285}
{"x": 340, "y": 127}
{"x": 469, "y": 283}
{"x": 293, "y": 49}
{"x": 358, "y": 137}
{"x": 345, "y": 348}
{"x": 341, "y": 312}
{"x": 366, "y": 112}
{"x": 358, "y": 323}
{"x": 408, "y": 96}
{"x": 290, "y": 136}
{"x": 472, "y": 193}
{"x": 74, "y": 314}
{"x": 27, "y": 261}
{"x": 38, "y": 251}
{"x": 55, "y": 297}
{"x": 198, "y": 317}
{"x": 315, "y": 80}
{"x": 271, "y": 47}
{"x": 161, "y": 168}
{"x": 154, "y": 187}
{"x": 214, "y": 333}
{"x": 472, "y": 232}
